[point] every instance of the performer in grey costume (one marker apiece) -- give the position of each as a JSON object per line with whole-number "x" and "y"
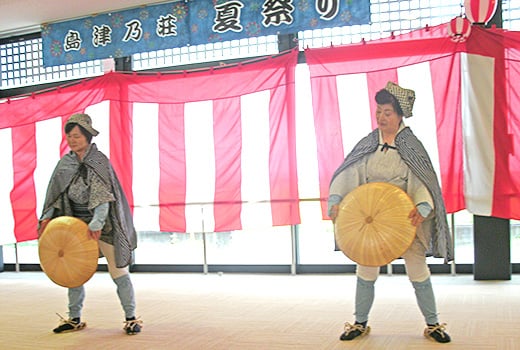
{"x": 393, "y": 154}
{"x": 84, "y": 185}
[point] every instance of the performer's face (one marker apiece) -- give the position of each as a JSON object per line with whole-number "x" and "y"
{"x": 387, "y": 119}
{"x": 77, "y": 141}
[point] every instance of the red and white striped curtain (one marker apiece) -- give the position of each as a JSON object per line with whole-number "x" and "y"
{"x": 212, "y": 150}
{"x": 466, "y": 109}
{"x": 238, "y": 147}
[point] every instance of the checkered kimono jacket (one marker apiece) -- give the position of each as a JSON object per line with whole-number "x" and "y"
{"x": 104, "y": 187}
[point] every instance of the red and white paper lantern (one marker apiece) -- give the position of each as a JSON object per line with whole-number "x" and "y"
{"x": 480, "y": 11}
{"x": 459, "y": 29}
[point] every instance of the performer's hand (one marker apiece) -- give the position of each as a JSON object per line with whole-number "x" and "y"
{"x": 42, "y": 226}
{"x": 94, "y": 234}
{"x": 416, "y": 217}
{"x": 334, "y": 212}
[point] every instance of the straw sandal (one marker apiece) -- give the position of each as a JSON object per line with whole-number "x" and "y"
{"x": 133, "y": 326}
{"x": 354, "y": 330}
{"x": 70, "y": 325}
{"x": 437, "y": 333}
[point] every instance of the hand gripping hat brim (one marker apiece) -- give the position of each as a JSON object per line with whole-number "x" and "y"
{"x": 405, "y": 97}
{"x": 85, "y": 121}
{"x": 373, "y": 227}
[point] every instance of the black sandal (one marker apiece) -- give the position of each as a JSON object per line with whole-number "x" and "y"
{"x": 70, "y": 325}
{"x": 437, "y": 332}
{"x": 354, "y": 330}
{"x": 133, "y": 326}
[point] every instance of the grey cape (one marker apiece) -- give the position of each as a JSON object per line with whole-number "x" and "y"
{"x": 414, "y": 154}
{"x": 119, "y": 223}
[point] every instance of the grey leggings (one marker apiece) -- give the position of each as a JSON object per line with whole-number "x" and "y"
{"x": 418, "y": 273}
{"x": 121, "y": 278}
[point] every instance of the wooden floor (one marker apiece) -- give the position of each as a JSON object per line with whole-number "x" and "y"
{"x": 254, "y": 311}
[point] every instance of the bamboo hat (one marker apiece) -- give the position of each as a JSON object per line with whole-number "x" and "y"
{"x": 373, "y": 227}
{"x": 68, "y": 256}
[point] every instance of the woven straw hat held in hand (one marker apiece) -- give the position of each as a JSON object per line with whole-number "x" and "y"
{"x": 373, "y": 227}
{"x": 68, "y": 256}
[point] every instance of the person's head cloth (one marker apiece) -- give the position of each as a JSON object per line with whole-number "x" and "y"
{"x": 405, "y": 97}
{"x": 83, "y": 120}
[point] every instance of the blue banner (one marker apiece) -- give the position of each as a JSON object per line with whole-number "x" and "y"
{"x": 195, "y": 22}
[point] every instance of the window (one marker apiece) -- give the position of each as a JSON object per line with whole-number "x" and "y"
{"x": 511, "y": 14}
{"x": 387, "y": 16}
{"x": 227, "y": 50}
{"x": 515, "y": 241}
{"x": 462, "y": 233}
{"x": 21, "y": 64}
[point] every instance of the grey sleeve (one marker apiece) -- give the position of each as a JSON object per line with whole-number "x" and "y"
{"x": 48, "y": 214}
{"x": 100, "y": 215}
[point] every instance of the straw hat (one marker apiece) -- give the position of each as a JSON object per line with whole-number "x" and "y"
{"x": 68, "y": 256}
{"x": 372, "y": 227}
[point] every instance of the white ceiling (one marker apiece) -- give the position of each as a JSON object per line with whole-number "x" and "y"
{"x": 19, "y": 17}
